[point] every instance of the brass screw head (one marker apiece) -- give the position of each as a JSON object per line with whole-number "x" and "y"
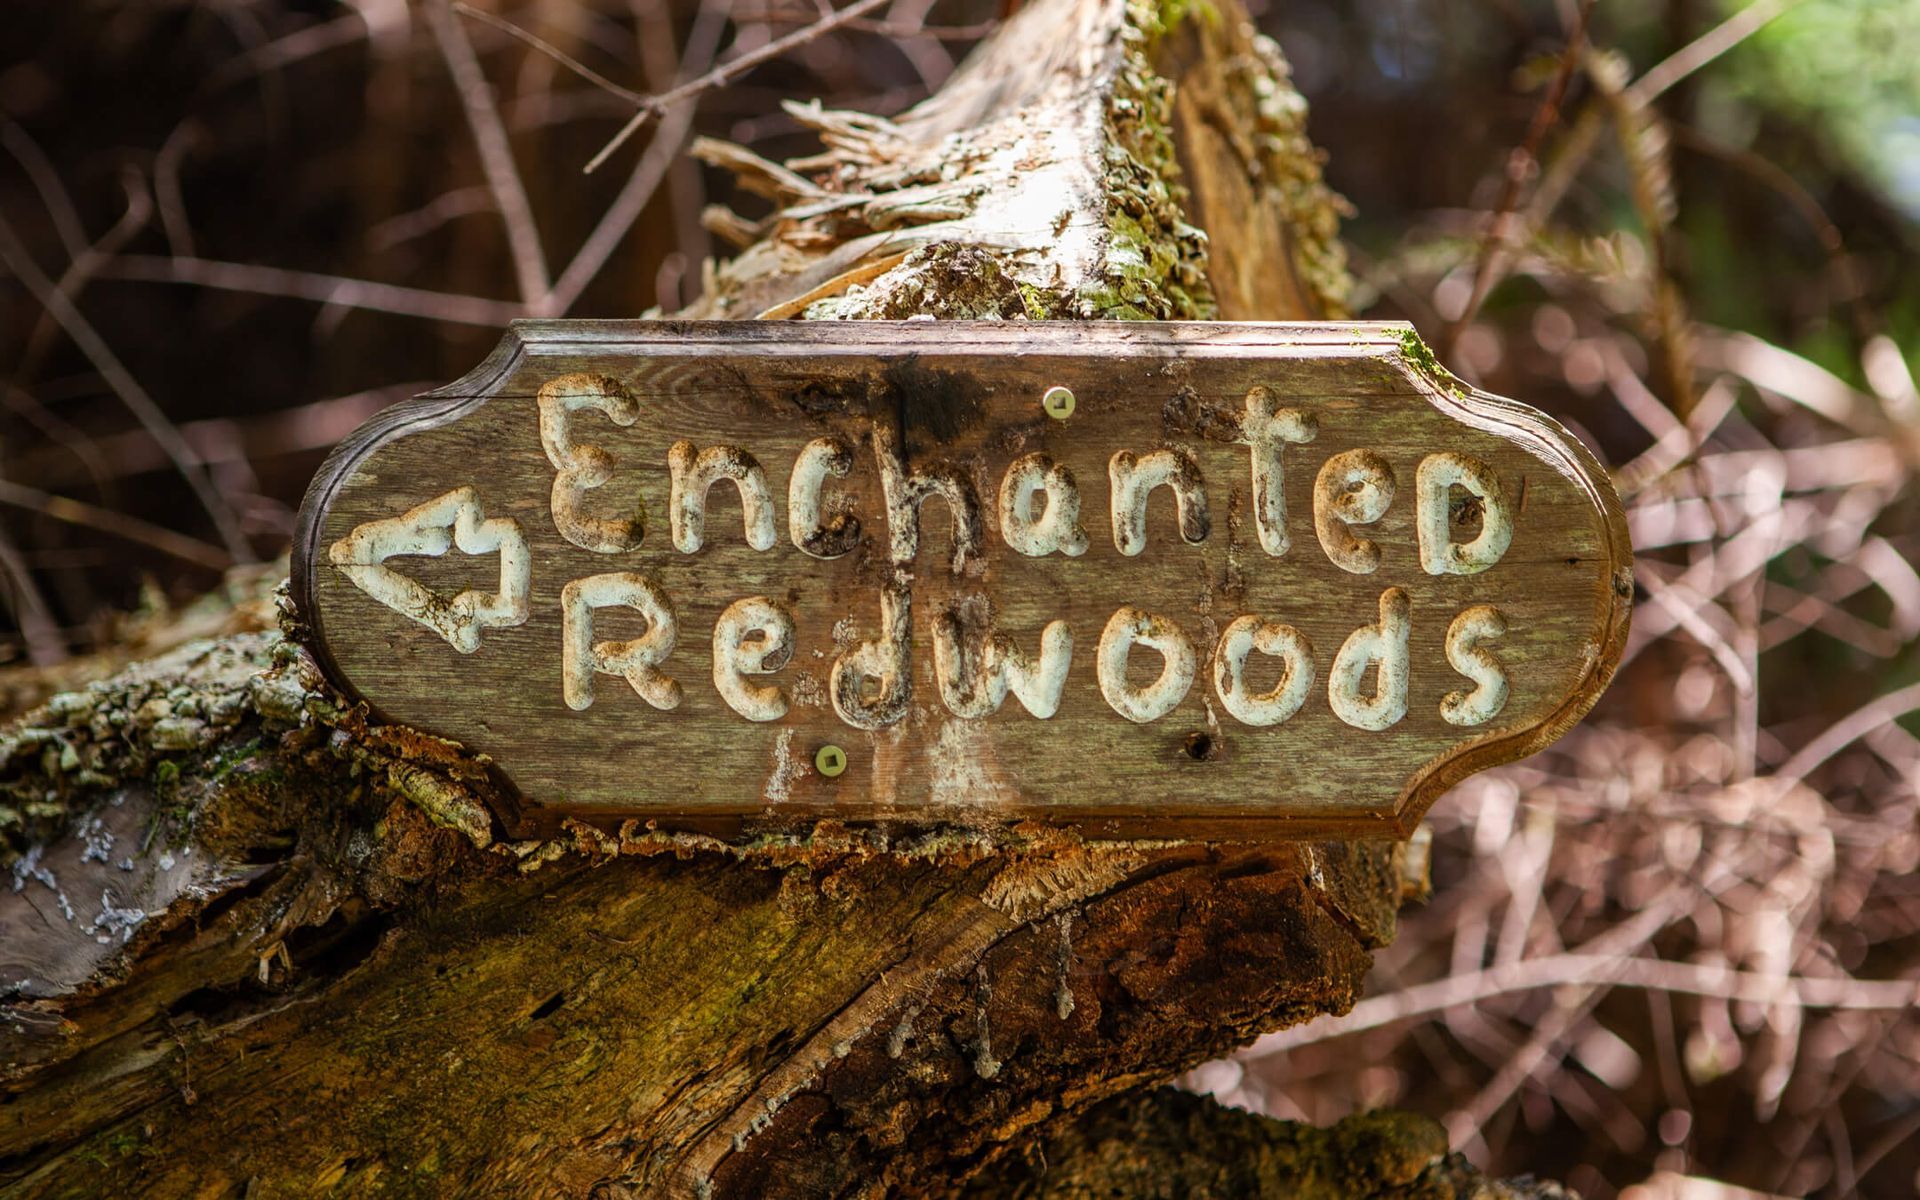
{"x": 1058, "y": 403}
{"x": 830, "y": 761}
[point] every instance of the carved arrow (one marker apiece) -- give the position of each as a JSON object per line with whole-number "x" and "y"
{"x": 428, "y": 530}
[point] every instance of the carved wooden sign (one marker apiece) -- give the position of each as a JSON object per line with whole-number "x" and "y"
{"x": 1201, "y": 579}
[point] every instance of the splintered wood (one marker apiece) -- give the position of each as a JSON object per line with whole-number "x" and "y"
{"x": 1207, "y": 580}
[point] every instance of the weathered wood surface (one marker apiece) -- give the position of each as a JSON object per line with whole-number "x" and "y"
{"x": 574, "y": 459}
{"x": 322, "y": 970}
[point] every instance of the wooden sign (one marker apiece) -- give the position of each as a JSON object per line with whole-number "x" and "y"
{"x": 1211, "y": 580}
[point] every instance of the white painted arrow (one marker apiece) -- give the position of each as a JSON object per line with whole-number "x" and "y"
{"x": 429, "y": 529}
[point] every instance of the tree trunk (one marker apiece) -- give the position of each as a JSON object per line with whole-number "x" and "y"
{"x": 258, "y": 946}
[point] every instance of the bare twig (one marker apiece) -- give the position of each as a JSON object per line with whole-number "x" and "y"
{"x": 315, "y": 425}
{"x": 124, "y": 385}
{"x": 87, "y": 264}
{"x": 661, "y": 154}
{"x": 1521, "y": 166}
{"x": 1845, "y": 731}
{"x": 885, "y": 27}
{"x": 46, "y": 645}
{"x": 1704, "y": 49}
{"x": 726, "y": 72}
{"x": 551, "y": 51}
{"x": 448, "y": 206}
{"x": 664, "y": 64}
{"x": 53, "y": 194}
{"x": 166, "y": 187}
{"x": 295, "y": 47}
{"x": 326, "y": 289}
{"x": 496, "y": 153}
{"x": 59, "y": 432}
{"x": 930, "y": 59}
{"x": 120, "y": 525}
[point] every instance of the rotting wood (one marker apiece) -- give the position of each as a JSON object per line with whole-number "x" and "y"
{"x": 327, "y": 970}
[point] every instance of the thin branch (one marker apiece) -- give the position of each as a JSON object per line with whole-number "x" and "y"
{"x": 662, "y": 152}
{"x": 1592, "y": 970}
{"x": 1704, "y": 49}
{"x": 1574, "y": 150}
{"x": 726, "y": 72}
{"x": 46, "y": 645}
{"x": 885, "y": 27}
{"x": 295, "y": 47}
{"x": 314, "y": 425}
{"x": 46, "y": 181}
{"x": 135, "y": 397}
{"x": 1844, "y": 732}
{"x": 1522, "y": 165}
{"x": 1840, "y": 265}
{"x": 58, "y": 432}
{"x": 166, "y": 187}
{"x": 120, "y": 525}
{"x": 448, "y": 206}
{"x": 551, "y": 51}
{"x": 86, "y": 265}
{"x": 664, "y": 63}
{"x": 326, "y": 289}
{"x": 496, "y": 152}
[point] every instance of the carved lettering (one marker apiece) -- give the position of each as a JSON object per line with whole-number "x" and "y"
{"x": 580, "y": 468}
{"x": 1270, "y": 429}
{"x": 1058, "y": 528}
{"x": 781, "y": 497}
{"x": 811, "y": 532}
{"x": 1130, "y": 627}
{"x": 695, "y": 473}
{"x": 1481, "y": 623}
{"x": 1353, "y": 488}
{"x": 429, "y": 529}
{"x": 872, "y": 684}
{"x": 1250, "y": 633}
{"x": 1383, "y": 646}
{"x": 637, "y": 660}
{"x": 906, "y": 491}
{"x": 975, "y": 680}
{"x": 1134, "y": 479}
{"x": 770, "y": 628}
{"x": 1434, "y": 482}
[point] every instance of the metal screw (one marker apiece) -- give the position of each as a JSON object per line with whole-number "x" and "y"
{"x": 1058, "y": 402}
{"x": 830, "y": 760}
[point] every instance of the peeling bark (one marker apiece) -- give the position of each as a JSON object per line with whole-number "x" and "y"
{"x": 256, "y": 944}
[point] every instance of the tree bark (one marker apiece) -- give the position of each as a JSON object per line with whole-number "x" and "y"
{"x": 256, "y": 945}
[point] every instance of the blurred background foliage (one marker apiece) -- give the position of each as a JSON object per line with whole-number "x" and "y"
{"x": 1679, "y": 947}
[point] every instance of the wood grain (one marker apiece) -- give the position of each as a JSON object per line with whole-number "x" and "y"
{"x": 966, "y": 397}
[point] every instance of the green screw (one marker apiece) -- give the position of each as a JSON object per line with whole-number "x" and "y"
{"x": 1058, "y": 402}
{"x": 830, "y": 760}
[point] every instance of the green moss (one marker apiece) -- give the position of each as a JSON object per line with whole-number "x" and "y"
{"x": 1417, "y": 352}
{"x": 1156, "y": 263}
